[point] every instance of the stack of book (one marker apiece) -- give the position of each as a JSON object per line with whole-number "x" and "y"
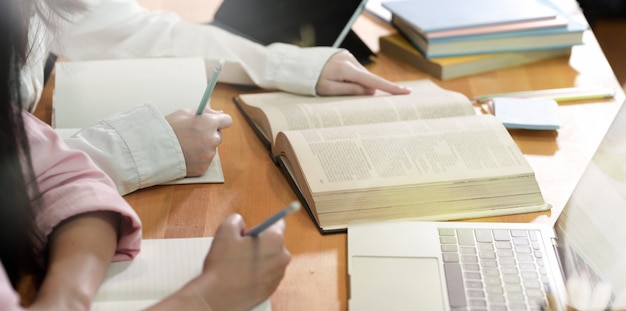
{"x": 452, "y": 38}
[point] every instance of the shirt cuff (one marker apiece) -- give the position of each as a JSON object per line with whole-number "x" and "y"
{"x": 152, "y": 147}
{"x": 295, "y": 69}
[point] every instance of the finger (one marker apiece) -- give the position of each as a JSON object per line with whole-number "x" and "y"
{"x": 343, "y": 88}
{"x": 218, "y": 133}
{"x": 234, "y": 224}
{"x": 218, "y": 120}
{"x": 224, "y": 120}
{"x": 278, "y": 227}
{"x": 211, "y": 110}
{"x": 368, "y": 80}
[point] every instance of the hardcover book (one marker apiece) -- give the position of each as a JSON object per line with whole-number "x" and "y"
{"x": 425, "y": 155}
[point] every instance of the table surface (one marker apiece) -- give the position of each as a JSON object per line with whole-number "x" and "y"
{"x": 316, "y": 277}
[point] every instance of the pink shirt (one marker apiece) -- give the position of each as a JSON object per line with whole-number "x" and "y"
{"x": 70, "y": 184}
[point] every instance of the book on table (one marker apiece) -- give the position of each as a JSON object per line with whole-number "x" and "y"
{"x": 425, "y": 155}
{"x": 448, "y": 18}
{"x": 454, "y": 38}
{"x": 445, "y": 68}
{"x": 161, "y": 268}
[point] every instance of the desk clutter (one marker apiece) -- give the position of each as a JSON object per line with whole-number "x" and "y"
{"x": 456, "y": 38}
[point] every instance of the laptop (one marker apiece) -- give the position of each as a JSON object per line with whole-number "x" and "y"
{"x": 301, "y": 22}
{"x": 580, "y": 261}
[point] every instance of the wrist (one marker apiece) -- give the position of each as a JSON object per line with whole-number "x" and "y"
{"x": 189, "y": 297}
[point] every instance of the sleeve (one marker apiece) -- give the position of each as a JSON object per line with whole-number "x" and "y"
{"x": 71, "y": 184}
{"x": 136, "y": 148}
{"x": 9, "y": 298}
{"x": 122, "y": 29}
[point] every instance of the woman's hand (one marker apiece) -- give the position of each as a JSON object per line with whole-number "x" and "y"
{"x": 344, "y": 75}
{"x": 198, "y": 136}
{"x": 239, "y": 272}
{"x": 245, "y": 270}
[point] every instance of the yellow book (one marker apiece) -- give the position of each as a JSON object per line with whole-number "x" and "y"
{"x": 445, "y": 68}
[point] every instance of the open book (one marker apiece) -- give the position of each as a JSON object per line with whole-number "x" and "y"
{"x": 162, "y": 267}
{"x": 426, "y": 155}
{"x": 88, "y": 91}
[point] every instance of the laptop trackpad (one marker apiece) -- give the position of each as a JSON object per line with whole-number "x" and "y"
{"x": 395, "y": 283}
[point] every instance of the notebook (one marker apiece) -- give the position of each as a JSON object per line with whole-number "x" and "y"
{"x": 410, "y": 265}
{"x": 162, "y": 267}
{"x": 303, "y": 22}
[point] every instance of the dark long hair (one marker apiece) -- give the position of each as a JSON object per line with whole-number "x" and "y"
{"x": 18, "y": 232}
{"x": 17, "y": 226}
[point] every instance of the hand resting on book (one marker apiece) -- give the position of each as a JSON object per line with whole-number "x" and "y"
{"x": 344, "y": 75}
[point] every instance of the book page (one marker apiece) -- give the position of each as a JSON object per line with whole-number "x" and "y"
{"x": 293, "y": 112}
{"x": 365, "y": 157}
{"x": 162, "y": 267}
{"x": 214, "y": 174}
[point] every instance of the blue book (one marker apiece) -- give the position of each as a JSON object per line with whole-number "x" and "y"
{"x": 429, "y": 16}
{"x": 511, "y": 41}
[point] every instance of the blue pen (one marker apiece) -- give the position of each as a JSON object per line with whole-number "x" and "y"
{"x": 287, "y": 210}
{"x": 209, "y": 88}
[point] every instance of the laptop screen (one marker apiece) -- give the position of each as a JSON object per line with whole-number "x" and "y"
{"x": 591, "y": 230}
{"x": 301, "y": 22}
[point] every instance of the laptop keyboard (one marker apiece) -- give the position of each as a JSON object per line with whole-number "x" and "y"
{"x": 493, "y": 269}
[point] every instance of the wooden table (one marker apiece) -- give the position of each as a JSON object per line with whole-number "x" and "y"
{"x": 316, "y": 278}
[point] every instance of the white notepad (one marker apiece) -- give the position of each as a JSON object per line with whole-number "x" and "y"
{"x": 527, "y": 113}
{"x": 162, "y": 267}
{"x": 88, "y": 91}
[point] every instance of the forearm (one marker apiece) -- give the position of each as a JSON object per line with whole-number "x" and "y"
{"x": 80, "y": 250}
{"x": 135, "y": 32}
{"x": 133, "y": 156}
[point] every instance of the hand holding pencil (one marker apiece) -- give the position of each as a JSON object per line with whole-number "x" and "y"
{"x": 199, "y": 131}
{"x": 240, "y": 271}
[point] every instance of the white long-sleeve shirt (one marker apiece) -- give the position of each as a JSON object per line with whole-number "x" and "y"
{"x": 122, "y": 29}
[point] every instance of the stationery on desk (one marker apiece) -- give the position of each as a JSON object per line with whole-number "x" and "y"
{"x": 466, "y": 28}
{"x": 162, "y": 267}
{"x": 425, "y": 155}
{"x": 536, "y": 110}
{"x": 89, "y": 91}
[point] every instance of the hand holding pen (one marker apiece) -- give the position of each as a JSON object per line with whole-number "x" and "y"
{"x": 199, "y": 133}
{"x": 243, "y": 267}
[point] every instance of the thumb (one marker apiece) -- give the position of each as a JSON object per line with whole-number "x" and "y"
{"x": 233, "y": 225}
